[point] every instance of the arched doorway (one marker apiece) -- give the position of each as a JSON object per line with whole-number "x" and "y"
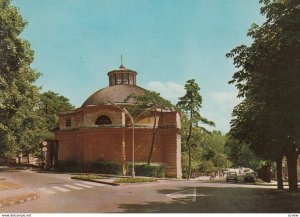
{"x": 103, "y": 119}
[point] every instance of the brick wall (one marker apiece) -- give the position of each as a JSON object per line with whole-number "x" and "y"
{"x": 92, "y": 144}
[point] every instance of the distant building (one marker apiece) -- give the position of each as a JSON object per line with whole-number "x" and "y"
{"x": 98, "y": 131}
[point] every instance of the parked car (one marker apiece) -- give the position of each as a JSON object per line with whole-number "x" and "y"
{"x": 250, "y": 177}
{"x": 232, "y": 176}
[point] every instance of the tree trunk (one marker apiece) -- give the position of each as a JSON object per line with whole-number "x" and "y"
{"x": 153, "y": 138}
{"x": 28, "y": 160}
{"x": 292, "y": 157}
{"x": 123, "y": 153}
{"x": 189, "y": 147}
{"x": 279, "y": 173}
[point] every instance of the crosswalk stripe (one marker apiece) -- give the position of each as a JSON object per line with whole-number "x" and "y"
{"x": 93, "y": 183}
{"x": 73, "y": 187}
{"x": 60, "y": 188}
{"x": 47, "y": 191}
{"x": 83, "y": 185}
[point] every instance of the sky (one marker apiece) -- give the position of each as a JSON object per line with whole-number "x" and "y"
{"x": 76, "y": 42}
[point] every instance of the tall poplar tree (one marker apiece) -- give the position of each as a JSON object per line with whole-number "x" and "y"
{"x": 190, "y": 105}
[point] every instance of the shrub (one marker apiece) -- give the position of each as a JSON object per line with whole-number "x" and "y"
{"x": 143, "y": 169}
{"x": 104, "y": 167}
{"x": 70, "y": 166}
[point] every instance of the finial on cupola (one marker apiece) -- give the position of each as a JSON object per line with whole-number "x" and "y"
{"x": 122, "y": 62}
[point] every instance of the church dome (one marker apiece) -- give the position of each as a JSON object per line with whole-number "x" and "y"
{"x": 122, "y": 83}
{"x": 115, "y": 93}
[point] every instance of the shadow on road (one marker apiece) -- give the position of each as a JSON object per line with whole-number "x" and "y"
{"x": 219, "y": 200}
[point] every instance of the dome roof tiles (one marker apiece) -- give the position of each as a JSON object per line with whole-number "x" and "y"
{"x": 115, "y": 93}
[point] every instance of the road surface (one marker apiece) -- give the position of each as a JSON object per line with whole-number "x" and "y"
{"x": 60, "y": 194}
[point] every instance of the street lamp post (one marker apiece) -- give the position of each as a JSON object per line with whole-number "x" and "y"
{"x": 132, "y": 122}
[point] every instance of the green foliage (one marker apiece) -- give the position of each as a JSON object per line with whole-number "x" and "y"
{"x": 70, "y": 166}
{"x": 143, "y": 169}
{"x": 134, "y": 180}
{"x": 215, "y": 141}
{"x": 191, "y": 103}
{"x": 22, "y": 124}
{"x": 241, "y": 155}
{"x": 50, "y": 105}
{"x": 146, "y": 101}
{"x": 207, "y": 152}
{"x": 104, "y": 167}
{"x": 90, "y": 177}
{"x": 207, "y": 166}
{"x": 268, "y": 119}
{"x": 195, "y": 161}
{"x": 21, "y": 129}
{"x": 268, "y": 78}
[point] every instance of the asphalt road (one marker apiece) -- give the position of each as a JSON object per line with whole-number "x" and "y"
{"x": 60, "y": 194}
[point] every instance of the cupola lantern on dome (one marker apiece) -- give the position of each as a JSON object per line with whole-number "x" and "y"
{"x": 122, "y": 75}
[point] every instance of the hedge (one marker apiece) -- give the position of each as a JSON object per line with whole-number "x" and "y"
{"x": 134, "y": 180}
{"x": 104, "y": 167}
{"x": 143, "y": 169}
{"x": 70, "y": 166}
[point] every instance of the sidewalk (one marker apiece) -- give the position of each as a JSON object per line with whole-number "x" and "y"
{"x": 12, "y": 193}
{"x": 273, "y": 183}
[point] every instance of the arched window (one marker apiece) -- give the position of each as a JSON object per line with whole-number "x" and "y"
{"x": 103, "y": 119}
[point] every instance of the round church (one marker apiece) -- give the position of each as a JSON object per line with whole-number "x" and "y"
{"x": 100, "y": 130}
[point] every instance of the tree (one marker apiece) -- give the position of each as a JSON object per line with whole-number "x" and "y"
{"x": 268, "y": 78}
{"x": 214, "y": 146}
{"x": 241, "y": 155}
{"x": 50, "y": 105}
{"x": 207, "y": 150}
{"x": 147, "y": 100}
{"x": 19, "y": 125}
{"x": 190, "y": 105}
{"x": 197, "y": 139}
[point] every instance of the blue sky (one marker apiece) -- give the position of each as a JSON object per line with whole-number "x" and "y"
{"x": 76, "y": 42}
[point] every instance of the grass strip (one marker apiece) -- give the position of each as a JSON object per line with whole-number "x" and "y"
{"x": 134, "y": 180}
{"x": 90, "y": 177}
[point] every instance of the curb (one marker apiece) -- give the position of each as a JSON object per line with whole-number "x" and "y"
{"x": 13, "y": 200}
{"x": 97, "y": 181}
{"x": 111, "y": 183}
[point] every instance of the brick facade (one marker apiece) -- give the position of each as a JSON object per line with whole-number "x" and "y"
{"x": 84, "y": 141}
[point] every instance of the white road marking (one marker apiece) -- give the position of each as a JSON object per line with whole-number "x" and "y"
{"x": 73, "y": 187}
{"x": 194, "y": 195}
{"x": 47, "y": 191}
{"x": 93, "y": 183}
{"x": 60, "y": 188}
{"x": 79, "y": 186}
{"x": 186, "y": 193}
{"x": 83, "y": 185}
